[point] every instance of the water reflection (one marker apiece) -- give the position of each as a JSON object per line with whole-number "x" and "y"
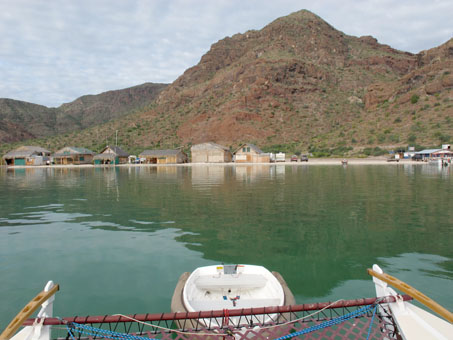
{"x": 254, "y": 173}
{"x": 205, "y": 176}
{"x": 436, "y": 170}
{"x": 430, "y": 274}
{"x": 280, "y": 170}
{"x": 320, "y": 227}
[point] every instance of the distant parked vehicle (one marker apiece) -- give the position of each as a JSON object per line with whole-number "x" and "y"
{"x": 272, "y": 157}
{"x": 304, "y": 158}
{"x": 280, "y": 157}
{"x": 294, "y": 158}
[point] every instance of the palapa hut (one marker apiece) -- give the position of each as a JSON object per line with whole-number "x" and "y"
{"x": 111, "y": 155}
{"x": 73, "y": 155}
{"x": 164, "y": 156}
{"x": 27, "y": 155}
{"x": 210, "y": 153}
{"x": 250, "y": 153}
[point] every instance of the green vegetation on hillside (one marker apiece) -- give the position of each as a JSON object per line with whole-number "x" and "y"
{"x": 297, "y": 85}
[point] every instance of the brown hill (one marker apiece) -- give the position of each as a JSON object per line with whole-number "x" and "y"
{"x": 298, "y": 84}
{"x": 292, "y": 82}
{"x": 419, "y": 103}
{"x": 21, "y": 120}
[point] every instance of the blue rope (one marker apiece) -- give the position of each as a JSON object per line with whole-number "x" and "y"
{"x": 329, "y": 323}
{"x": 70, "y": 333}
{"x": 371, "y": 323}
{"x": 98, "y": 332}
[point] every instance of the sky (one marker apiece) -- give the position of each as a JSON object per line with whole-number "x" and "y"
{"x": 54, "y": 51}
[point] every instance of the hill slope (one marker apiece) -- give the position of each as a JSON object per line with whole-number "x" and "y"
{"x": 298, "y": 84}
{"x": 20, "y": 120}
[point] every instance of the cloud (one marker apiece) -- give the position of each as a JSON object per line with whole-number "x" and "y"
{"x": 55, "y": 51}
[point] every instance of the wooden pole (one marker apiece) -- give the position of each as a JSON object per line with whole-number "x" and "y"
{"x": 28, "y": 310}
{"x": 417, "y": 295}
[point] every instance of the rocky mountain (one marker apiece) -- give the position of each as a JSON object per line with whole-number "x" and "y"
{"x": 21, "y": 120}
{"x": 298, "y": 84}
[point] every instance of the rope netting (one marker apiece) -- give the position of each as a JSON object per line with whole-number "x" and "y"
{"x": 78, "y": 331}
{"x": 330, "y": 322}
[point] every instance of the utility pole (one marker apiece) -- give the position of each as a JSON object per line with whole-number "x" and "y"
{"x": 116, "y": 137}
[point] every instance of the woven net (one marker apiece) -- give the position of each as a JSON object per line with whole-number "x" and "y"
{"x": 358, "y": 322}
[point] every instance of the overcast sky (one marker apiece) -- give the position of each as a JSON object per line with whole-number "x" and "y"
{"x": 53, "y": 51}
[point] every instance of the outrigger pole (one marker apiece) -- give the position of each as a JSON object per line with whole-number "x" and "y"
{"x": 28, "y": 310}
{"x": 411, "y": 291}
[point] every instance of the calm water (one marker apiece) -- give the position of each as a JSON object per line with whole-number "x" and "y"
{"x": 117, "y": 240}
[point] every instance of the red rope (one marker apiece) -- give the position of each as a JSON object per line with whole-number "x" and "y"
{"x": 226, "y": 318}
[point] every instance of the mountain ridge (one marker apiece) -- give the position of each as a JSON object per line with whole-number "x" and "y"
{"x": 297, "y": 84}
{"x": 37, "y": 121}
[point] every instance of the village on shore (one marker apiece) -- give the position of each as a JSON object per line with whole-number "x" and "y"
{"x": 200, "y": 153}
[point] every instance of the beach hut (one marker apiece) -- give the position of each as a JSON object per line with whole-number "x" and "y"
{"x": 73, "y": 155}
{"x": 445, "y": 153}
{"x": 111, "y": 155}
{"x": 250, "y": 153}
{"x": 210, "y": 153}
{"x": 163, "y": 156}
{"x": 27, "y": 155}
{"x": 426, "y": 154}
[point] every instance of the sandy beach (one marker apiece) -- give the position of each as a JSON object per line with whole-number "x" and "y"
{"x": 311, "y": 162}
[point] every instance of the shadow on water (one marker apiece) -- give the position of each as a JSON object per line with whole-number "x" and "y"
{"x": 319, "y": 226}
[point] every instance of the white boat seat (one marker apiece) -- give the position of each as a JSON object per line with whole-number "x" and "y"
{"x": 246, "y": 281}
{"x": 209, "y": 305}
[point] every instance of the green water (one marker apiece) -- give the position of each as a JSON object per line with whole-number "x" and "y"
{"x": 117, "y": 239}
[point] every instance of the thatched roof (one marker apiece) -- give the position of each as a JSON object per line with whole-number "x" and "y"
{"x": 71, "y": 150}
{"x": 160, "y": 153}
{"x": 26, "y": 151}
{"x": 208, "y": 146}
{"x": 116, "y": 151}
{"x": 251, "y": 146}
{"x": 106, "y": 156}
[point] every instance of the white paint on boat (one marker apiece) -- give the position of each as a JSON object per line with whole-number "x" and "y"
{"x": 231, "y": 287}
{"x": 412, "y": 322}
{"x": 38, "y": 331}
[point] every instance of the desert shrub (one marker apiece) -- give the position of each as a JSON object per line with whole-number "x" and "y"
{"x": 377, "y": 151}
{"x": 394, "y": 138}
{"x": 321, "y": 154}
{"x": 442, "y": 137}
{"x": 414, "y": 98}
{"x": 341, "y": 150}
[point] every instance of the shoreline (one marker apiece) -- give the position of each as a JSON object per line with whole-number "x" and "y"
{"x": 311, "y": 162}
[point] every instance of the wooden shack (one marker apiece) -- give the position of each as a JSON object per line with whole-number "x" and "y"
{"x": 27, "y": 155}
{"x": 163, "y": 156}
{"x": 111, "y": 155}
{"x": 210, "y": 153}
{"x": 73, "y": 155}
{"x": 250, "y": 153}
